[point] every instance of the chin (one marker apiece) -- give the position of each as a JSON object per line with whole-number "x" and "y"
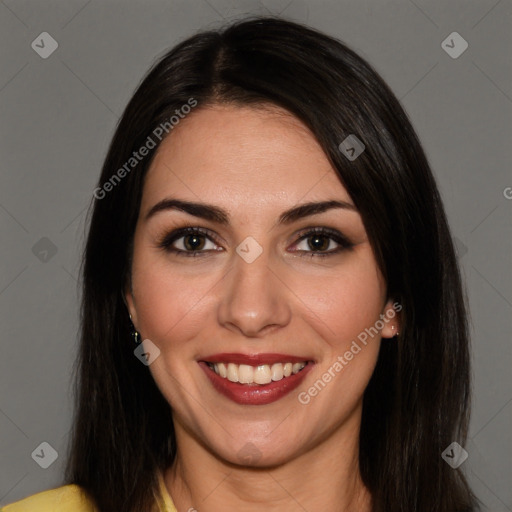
{"x": 259, "y": 455}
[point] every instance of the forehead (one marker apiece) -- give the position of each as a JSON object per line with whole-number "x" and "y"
{"x": 245, "y": 156}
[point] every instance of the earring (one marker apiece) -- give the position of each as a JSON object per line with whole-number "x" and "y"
{"x": 393, "y": 327}
{"x": 135, "y": 334}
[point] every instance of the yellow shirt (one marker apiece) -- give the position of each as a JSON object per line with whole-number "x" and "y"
{"x": 70, "y": 498}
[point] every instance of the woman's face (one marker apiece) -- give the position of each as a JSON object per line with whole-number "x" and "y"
{"x": 255, "y": 290}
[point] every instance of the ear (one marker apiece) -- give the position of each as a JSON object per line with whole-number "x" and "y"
{"x": 130, "y": 302}
{"x": 392, "y": 319}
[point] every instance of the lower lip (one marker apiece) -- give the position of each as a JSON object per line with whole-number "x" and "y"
{"x": 257, "y": 394}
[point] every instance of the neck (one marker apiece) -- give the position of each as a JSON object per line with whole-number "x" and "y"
{"x": 326, "y": 477}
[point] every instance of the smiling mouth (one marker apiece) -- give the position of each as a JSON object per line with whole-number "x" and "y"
{"x": 255, "y": 379}
{"x": 256, "y": 375}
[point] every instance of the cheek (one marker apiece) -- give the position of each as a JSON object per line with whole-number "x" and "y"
{"x": 344, "y": 313}
{"x": 343, "y": 303}
{"x": 170, "y": 305}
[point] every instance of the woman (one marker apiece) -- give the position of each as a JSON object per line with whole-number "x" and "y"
{"x": 267, "y": 223}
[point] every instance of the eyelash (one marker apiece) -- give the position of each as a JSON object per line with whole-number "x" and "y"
{"x": 343, "y": 242}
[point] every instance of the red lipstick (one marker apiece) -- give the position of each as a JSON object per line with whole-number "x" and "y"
{"x": 255, "y": 394}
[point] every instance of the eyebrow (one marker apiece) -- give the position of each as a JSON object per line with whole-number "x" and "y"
{"x": 216, "y": 214}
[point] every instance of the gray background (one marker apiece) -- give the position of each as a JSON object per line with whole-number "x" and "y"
{"x": 58, "y": 114}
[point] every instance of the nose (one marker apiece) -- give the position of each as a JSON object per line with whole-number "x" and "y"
{"x": 254, "y": 300}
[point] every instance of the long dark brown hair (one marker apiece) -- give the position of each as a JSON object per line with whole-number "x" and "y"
{"x": 418, "y": 399}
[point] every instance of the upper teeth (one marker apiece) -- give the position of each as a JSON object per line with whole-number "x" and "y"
{"x": 262, "y": 374}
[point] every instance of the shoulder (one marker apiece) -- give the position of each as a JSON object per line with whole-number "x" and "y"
{"x": 68, "y": 498}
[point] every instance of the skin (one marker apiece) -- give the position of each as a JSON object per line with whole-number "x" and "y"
{"x": 256, "y": 163}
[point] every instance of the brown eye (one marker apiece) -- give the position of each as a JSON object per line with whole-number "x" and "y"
{"x": 189, "y": 241}
{"x": 322, "y": 242}
{"x": 193, "y": 242}
{"x": 318, "y": 242}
